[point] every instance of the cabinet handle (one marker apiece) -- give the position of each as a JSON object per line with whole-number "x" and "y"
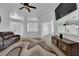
{"x": 65, "y": 48}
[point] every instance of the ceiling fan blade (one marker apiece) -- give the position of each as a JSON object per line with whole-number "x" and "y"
{"x": 26, "y": 4}
{"x": 22, "y": 3}
{"x": 21, "y": 7}
{"x": 32, "y": 7}
{"x": 27, "y": 9}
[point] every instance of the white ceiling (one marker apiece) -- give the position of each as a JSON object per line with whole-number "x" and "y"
{"x": 42, "y": 8}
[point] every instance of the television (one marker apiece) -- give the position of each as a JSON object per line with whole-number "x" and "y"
{"x": 64, "y": 9}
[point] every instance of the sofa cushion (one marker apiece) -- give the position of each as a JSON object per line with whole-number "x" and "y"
{"x": 1, "y": 38}
{"x": 11, "y": 35}
{"x": 14, "y": 39}
{"x": 7, "y": 35}
{"x": 4, "y": 33}
{"x": 8, "y": 42}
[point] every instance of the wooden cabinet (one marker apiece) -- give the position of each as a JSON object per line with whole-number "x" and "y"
{"x": 55, "y": 41}
{"x": 69, "y": 47}
{"x": 65, "y": 47}
{"x": 59, "y": 44}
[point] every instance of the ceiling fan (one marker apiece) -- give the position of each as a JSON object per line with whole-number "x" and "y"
{"x": 27, "y": 6}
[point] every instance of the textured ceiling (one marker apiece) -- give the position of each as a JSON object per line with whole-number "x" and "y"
{"x": 43, "y": 9}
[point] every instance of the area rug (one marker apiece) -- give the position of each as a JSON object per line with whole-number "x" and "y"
{"x": 15, "y": 51}
{"x": 41, "y": 42}
{"x": 36, "y": 47}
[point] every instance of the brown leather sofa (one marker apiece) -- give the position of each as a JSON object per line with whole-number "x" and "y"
{"x": 7, "y": 39}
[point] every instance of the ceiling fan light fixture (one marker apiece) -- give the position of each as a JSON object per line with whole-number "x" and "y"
{"x": 27, "y": 6}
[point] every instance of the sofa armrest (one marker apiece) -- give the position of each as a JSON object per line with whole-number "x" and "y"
{"x": 17, "y": 36}
{"x": 1, "y": 45}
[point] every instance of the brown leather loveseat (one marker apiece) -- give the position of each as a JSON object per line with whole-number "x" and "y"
{"x": 7, "y": 39}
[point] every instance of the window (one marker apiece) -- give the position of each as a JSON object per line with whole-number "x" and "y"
{"x": 16, "y": 27}
{"x": 32, "y": 27}
{"x": 16, "y": 16}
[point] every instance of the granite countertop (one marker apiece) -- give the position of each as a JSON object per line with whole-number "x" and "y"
{"x": 65, "y": 40}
